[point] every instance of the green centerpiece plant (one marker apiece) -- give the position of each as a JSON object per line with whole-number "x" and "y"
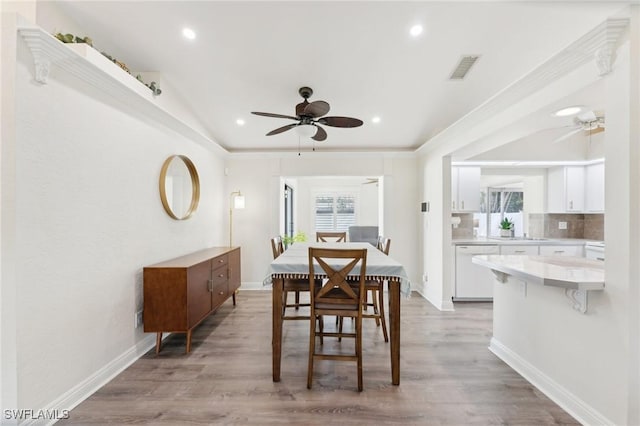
{"x": 299, "y": 236}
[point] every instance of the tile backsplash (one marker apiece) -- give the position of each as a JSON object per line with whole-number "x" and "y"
{"x": 465, "y": 228}
{"x": 588, "y": 226}
{"x": 545, "y": 225}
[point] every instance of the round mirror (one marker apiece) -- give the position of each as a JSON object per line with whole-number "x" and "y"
{"x": 179, "y": 187}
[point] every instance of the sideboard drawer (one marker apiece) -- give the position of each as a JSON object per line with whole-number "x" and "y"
{"x": 219, "y": 294}
{"x": 220, "y": 261}
{"x": 220, "y": 275}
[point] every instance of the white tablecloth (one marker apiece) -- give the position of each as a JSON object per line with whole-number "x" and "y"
{"x": 294, "y": 263}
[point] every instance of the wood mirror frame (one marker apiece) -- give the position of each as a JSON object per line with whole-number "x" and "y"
{"x": 195, "y": 188}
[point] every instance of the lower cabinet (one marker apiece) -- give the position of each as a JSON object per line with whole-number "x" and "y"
{"x": 181, "y": 292}
{"x": 577, "y": 251}
{"x": 473, "y": 282}
{"x": 527, "y": 250}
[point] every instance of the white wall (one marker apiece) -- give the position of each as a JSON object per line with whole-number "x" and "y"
{"x": 259, "y": 177}
{"x": 89, "y": 218}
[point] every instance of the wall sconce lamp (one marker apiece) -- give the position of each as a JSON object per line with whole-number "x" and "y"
{"x": 236, "y": 201}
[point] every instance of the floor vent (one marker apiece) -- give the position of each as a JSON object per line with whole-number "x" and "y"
{"x": 465, "y": 64}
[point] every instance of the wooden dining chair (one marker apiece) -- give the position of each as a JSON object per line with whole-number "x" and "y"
{"x": 376, "y": 287}
{"x": 289, "y": 285}
{"x": 337, "y": 237}
{"x": 336, "y": 296}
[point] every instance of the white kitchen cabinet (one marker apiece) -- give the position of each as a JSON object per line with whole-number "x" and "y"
{"x": 565, "y": 189}
{"x": 525, "y": 250}
{"x": 594, "y": 188}
{"x": 465, "y": 189}
{"x": 577, "y": 251}
{"x": 473, "y": 282}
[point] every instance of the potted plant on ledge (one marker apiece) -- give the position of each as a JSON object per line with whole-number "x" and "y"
{"x": 506, "y": 227}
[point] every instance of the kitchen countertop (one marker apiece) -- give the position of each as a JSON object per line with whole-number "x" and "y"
{"x": 520, "y": 241}
{"x": 575, "y": 273}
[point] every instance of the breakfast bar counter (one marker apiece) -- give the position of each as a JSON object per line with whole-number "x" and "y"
{"x": 575, "y": 273}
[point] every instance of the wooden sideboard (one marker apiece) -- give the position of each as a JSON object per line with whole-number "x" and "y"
{"x": 181, "y": 292}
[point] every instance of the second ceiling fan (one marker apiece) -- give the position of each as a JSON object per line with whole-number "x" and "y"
{"x": 308, "y": 117}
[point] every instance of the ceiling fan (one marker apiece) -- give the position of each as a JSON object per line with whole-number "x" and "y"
{"x": 308, "y": 116}
{"x": 588, "y": 121}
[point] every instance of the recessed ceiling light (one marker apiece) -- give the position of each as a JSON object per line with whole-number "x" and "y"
{"x": 416, "y": 30}
{"x": 240, "y": 122}
{"x": 565, "y": 112}
{"x": 375, "y": 119}
{"x": 189, "y": 33}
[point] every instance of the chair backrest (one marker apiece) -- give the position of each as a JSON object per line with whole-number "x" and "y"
{"x": 336, "y": 289}
{"x": 363, "y": 234}
{"x": 277, "y": 248}
{"x": 384, "y": 244}
{"x": 338, "y": 237}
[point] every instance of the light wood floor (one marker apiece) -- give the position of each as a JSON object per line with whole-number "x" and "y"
{"x": 448, "y": 376}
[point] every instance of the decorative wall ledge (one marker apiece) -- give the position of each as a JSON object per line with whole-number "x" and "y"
{"x": 89, "y": 65}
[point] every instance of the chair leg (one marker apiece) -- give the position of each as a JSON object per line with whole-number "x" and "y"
{"x": 359, "y": 351}
{"x": 321, "y": 327}
{"x": 340, "y": 321}
{"x": 284, "y": 301}
{"x": 381, "y": 305}
{"x": 376, "y": 311}
{"x": 297, "y": 300}
{"x": 312, "y": 348}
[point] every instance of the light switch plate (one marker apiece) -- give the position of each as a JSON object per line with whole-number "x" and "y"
{"x": 562, "y": 225}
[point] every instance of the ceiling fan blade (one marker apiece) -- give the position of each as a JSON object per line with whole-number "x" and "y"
{"x": 340, "y": 121}
{"x": 282, "y": 129}
{"x": 320, "y": 134}
{"x": 316, "y": 109}
{"x": 269, "y": 114}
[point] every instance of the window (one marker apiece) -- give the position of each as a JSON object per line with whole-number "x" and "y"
{"x": 500, "y": 203}
{"x": 334, "y": 212}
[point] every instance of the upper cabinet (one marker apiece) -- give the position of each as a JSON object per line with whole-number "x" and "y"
{"x": 565, "y": 189}
{"x": 465, "y": 189}
{"x": 594, "y": 188}
{"x": 575, "y": 189}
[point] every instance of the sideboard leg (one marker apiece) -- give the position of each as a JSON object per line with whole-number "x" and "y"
{"x": 188, "y": 341}
{"x": 158, "y": 342}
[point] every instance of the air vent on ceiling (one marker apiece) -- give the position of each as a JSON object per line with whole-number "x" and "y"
{"x": 465, "y": 64}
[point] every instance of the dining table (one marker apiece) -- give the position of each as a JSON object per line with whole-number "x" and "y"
{"x": 294, "y": 264}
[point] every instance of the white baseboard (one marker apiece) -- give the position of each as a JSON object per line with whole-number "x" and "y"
{"x": 569, "y": 402}
{"x": 254, "y": 285}
{"x": 441, "y": 305}
{"x": 89, "y": 386}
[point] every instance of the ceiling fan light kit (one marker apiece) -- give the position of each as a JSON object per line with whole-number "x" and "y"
{"x": 308, "y": 116}
{"x": 306, "y": 130}
{"x": 569, "y": 111}
{"x": 584, "y": 121}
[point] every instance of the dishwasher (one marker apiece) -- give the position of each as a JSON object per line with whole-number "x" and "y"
{"x": 473, "y": 282}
